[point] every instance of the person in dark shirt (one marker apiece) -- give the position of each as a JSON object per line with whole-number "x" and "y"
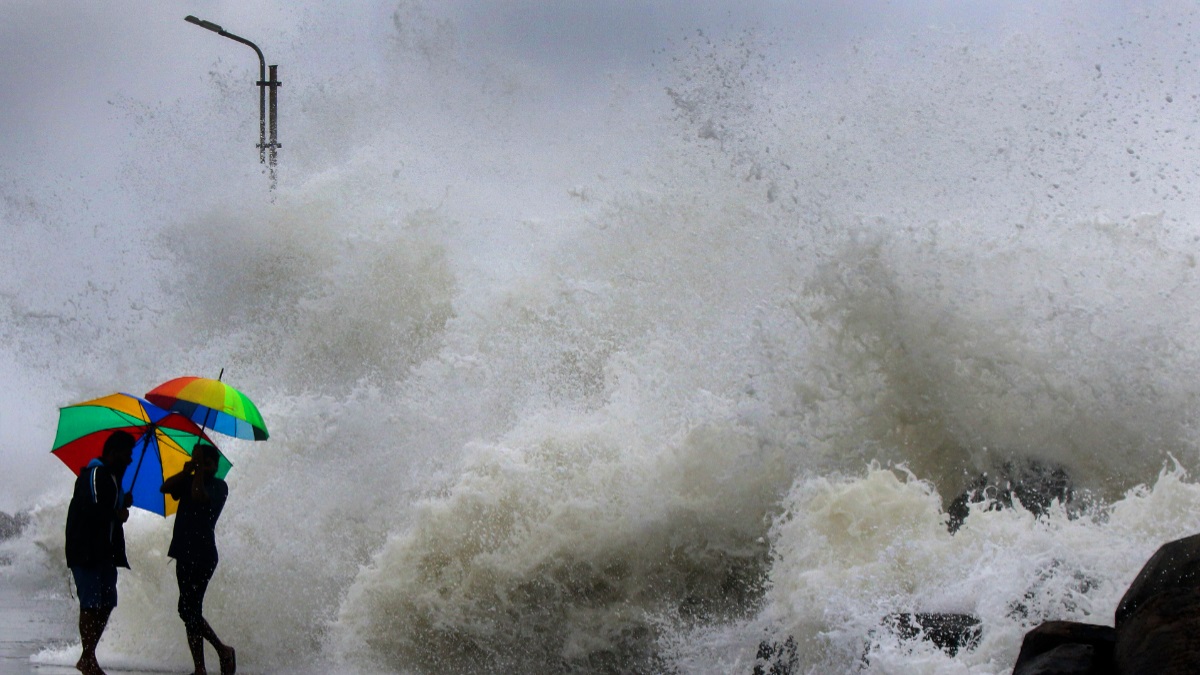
{"x": 95, "y": 541}
{"x": 201, "y": 498}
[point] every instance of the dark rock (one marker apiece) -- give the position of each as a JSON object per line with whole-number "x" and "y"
{"x": 976, "y": 492}
{"x": 1157, "y": 626}
{"x": 1068, "y": 659}
{"x": 777, "y": 659}
{"x": 949, "y": 632}
{"x": 1067, "y": 647}
{"x": 1176, "y": 565}
{"x": 1161, "y": 636}
{"x": 1035, "y": 484}
{"x": 12, "y": 526}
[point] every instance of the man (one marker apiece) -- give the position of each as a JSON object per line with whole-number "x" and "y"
{"x": 95, "y": 541}
{"x": 201, "y": 498}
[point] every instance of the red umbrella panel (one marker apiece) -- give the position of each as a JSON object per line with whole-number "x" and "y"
{"x": 163, "y": 442}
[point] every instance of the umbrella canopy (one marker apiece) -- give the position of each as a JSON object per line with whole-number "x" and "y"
{"x": 213, "y": 405}
{"x": 163, "y": 442}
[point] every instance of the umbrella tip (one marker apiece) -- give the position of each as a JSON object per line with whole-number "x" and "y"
{"x": 222, "y": 374}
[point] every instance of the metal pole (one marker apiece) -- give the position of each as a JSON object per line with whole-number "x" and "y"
{"x": 262, "y": 95}
{"x": 262, "y": 83}
{"x": 273, "y": 125}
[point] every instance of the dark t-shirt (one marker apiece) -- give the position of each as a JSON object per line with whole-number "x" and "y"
{"x": 194, "y": 539}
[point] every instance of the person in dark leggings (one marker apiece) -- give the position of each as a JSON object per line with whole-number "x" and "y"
{"x": 201, "y": 498}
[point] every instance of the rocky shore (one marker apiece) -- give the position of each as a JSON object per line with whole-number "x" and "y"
{"x": 12, "y": 525}
{"x": 1155, "y": 629}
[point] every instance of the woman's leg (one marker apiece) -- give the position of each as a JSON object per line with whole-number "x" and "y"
{"x": 193, "y": 583}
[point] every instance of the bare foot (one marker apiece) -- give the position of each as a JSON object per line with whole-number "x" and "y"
{"x": 228, "y": 660}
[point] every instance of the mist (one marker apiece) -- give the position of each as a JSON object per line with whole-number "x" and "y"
{"x": 586, "y": 322}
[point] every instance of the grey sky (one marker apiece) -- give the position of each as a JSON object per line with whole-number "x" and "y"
{"x": 63, "y": 62}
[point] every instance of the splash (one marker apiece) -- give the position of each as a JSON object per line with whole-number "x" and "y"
{"x": 638, "y": 384}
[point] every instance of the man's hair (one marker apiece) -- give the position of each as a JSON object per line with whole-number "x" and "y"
{"x": 116, "y": 442}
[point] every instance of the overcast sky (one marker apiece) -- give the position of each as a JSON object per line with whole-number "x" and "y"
{"x": 63, "y": 63}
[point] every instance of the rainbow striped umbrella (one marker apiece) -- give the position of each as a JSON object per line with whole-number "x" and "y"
{"x": 164, "y": 441}
{"x": 213, "y": 405}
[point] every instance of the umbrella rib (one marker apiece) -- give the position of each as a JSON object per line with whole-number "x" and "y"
{"x": 150, "y": 431}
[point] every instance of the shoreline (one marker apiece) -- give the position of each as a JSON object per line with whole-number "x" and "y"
{"x": 27, "y": 626}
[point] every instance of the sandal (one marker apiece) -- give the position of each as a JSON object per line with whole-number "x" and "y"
{"x": 228, "y": 661}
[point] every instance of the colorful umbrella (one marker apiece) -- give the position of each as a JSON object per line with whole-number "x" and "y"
{"x": 213, "y": 405}
{"x": 164, "y": 441}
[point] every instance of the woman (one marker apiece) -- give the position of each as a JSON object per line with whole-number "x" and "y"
{"x": 201, "y": 497}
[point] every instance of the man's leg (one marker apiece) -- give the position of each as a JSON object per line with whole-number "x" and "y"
{"x": 97, "y": 591}
{"x": 91, "y": 627}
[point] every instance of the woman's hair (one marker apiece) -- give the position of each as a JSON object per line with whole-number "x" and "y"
{"x": 204, "y": 450}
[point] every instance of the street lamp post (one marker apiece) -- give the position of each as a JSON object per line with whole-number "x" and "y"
{"x": 266, "y": 149}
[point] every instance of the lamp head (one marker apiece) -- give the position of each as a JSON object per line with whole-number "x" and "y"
{"x": 204, "y": 24}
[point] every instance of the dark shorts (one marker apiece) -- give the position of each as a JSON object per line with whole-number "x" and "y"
{"x": 193, "y": 580}
{"x": 96, "y": 586}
